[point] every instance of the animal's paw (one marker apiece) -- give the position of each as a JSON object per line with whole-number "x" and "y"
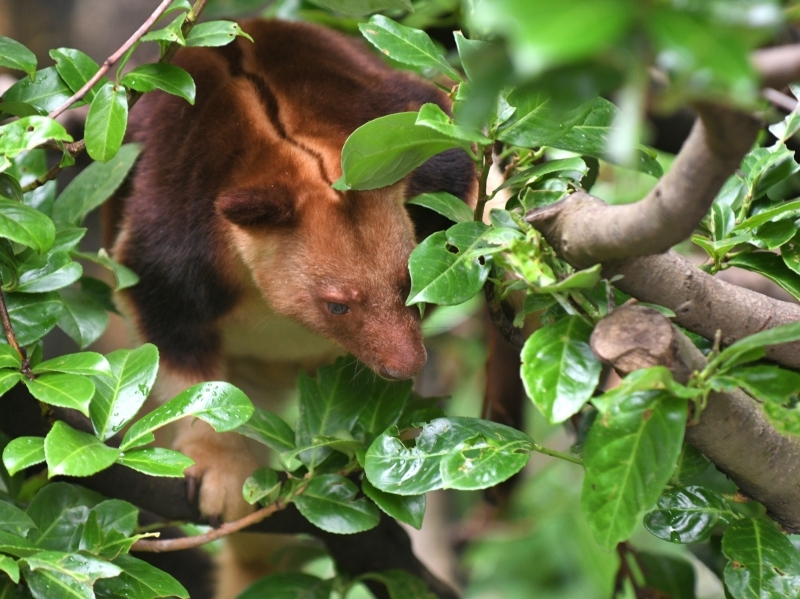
{"x": 222, "y": 462}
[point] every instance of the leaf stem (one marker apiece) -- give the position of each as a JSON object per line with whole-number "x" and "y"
{"x": 557, "y": 454}
{"x": 12, "y": 338}
{"x": 482, "y": 178}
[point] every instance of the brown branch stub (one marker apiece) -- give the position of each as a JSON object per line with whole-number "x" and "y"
{"x": 732, "y": 431}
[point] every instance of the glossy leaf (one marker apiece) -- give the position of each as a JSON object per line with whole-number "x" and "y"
{"x": 670, "y": 575}
{"x": 445, "y": 204}
{"x": 116, "y": 515}
{"x": 14, "y": 520}
{"x": 82, "y": 568}
{"x": 83, "y": 319}
{"x": 88, "y": 363}
{"x": 458, "y": 453}
{"x": 48, "y": 273}
{"x": 94, "y": 185}
{"x": 405, "y": 44}
{"x": 140, "y": 580}
{"x": 433, "y": 117}
{"x": 687, "y": 514}
{"x": 16, "y": 545}
{"x": 33, "y": 315}
{"x": 106, "y": 122}
{"x": 774, "y": 235}
{"x": 63, "y": 390}
{"x": 772, "y": 267}
{"x": 364, "y": 7}
{"x": 76, "y": 68}
{"x": 690, "y": 463}
{"x": 16, "y": 56}
{"x": 73, "y": 453}
{"x": 172, "y": 33}
{"x": 155, "y": 461}
{"x": 447, "y": 268}
{"x": 763, "y": 562}
{"x": 383, "y": 151}
{"x": 166, "y": 77}
{"x": 766, "y": 383}
{"x": 214, "y": 33}
{"x": 268, "y": 429}
{"x": 124, "y": 276}
{"x": 332, "y": 402}
{"x": 120, "y": 396}
{"x": 774, "y": 214}
{"x": 22, "y": 452}
{"x": 329, "y": 502}
{"x": 559, "y": 370}
{"x": 8, "y": 378}
{"x": 55, "y": 509}
{"x": 405, "y": 508}
{"x": 540, "y": 119}
{"x": 766, "y": 167}
{"x": 384, "y": 406}
{"x": 26, "y": 134}
{"x": 9, "y": 358}
{"x": 401, "y": 584}
{"x": 263, "y": 485}
{"x": 10, "y": 567}
{"x": 47, "y": 91}
{"x": 782, "y": 334}
{"x": 42, "y": 583}
{"x": 26, "y": 226}
{"x": 629, "y": 454}
{"x": 288, "y": 585}
{"x": 221, "y": 405}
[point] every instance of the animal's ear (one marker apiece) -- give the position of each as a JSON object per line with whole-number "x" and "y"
{"x": 258, "y": 206}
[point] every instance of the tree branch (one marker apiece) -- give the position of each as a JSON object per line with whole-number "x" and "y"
{"x": 778, "y": 66}
{"x": 732, "y": 431}
{"x": 12, "y": 338}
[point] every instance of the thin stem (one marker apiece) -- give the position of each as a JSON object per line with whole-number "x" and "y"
{"x": 579, "y": 298}
{"x": 482, "y": 178}
{"x": 159, "y": 546}
{"x": 557, "y": 454}
{"x": 111, "y": 60}
{"x": 12, "y": 338}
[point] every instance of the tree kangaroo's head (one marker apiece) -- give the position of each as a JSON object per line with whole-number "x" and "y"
{"x": 336, "y": 262}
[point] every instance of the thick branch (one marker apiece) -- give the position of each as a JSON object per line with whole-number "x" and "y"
{"x": 732, "y": 432}
{"x": 778, "y": 66}
{"x": 383, "y": 548}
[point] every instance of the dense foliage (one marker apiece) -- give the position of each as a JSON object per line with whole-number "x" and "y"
{"x": 530, "y": 80}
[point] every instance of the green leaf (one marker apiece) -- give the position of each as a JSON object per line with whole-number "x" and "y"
{"x": 667, "y": 574}
{"x": 359, "y": 8}
{"x": 777, "y": 213}
{"x": 401, "y": 584}
{"x": 10, "y": 187}
{"x": 117, "y": 515}
{"x": 766, "y": 167}
{"x": 73, "y": 453}
{"x": 458, "y": 453}
{"x": 83, "y": 319}
{"x": 19, "y": 109}
{"x": 156, "y": 461}
{"x": 124, "y": 276}
{"x": 9, "y": 358}
{"x": 26, "y": 225}
{"x": 26, "y": 134}
{"x": 16, "y": 56}
{"x": 120, "y": 396}
{"x": 166, "y": 77}
{"x": 405, "y": 508}
{"x": 447, "y": 268}
{"x": 10, "y": 567}
{"x": 263, "y": 485}
{"x": 14, "y": 520}
{"x": 48, "y": 273}
{"x": 629, "y": 454}
{"x": 33, "y": 315}
{"x": 445, "y": 204}
{"x": 172, "y": 33}
{"x": 55, "y": 509}
{"x": 386, "y": 149}
{"x": 88, "y": 363}
{"x": 433, "y": 117}
{"x": 763, "y": 562}
{"x": 63, "y": 390}
{"x": 559, "y": 370}
{"x": 771, "y": 266}
{"x": 541, "y": 119}
{"x": 329, "y": 403}
{"x": 106, "y": 122}
{"x": 329, "y": 502}
{"x": 214, "y": 33}
{"x": 219, "y": 404}
{"x": 16, "y": 545}
{"x": 47, "y": 584}
{"x": 774, "y": 235}
{"x": 268, "y": 429}
{"x": 766, "y": 383}
{"x": 22, "y": 452}
{"x": 47, "y": 91}
{"x": 140, "y": 580}
{"x": 405, "y": 44}
{"x": 385, "y": 401}
{"x": 76, "y": 68}
{"x": 543, "y": 34}
{"x": 690, "y": 463}
{"x": 8, "y": 378}
{"x": 94, "y": 185}
{"x": 687, "y": 515}
{"x": 786, "y": 333}
{"x": 82, "y": 568}
{"x": 288, "y": 585}
{"x": 68, "y": 238}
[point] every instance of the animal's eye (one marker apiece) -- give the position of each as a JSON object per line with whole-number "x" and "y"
{"x": 337, "y": 309}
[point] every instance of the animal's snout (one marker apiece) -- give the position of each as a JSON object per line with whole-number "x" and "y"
{"x": 402, "y": 369}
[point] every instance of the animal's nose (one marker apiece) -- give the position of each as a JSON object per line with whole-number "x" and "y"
{"x": 399, "y": 371}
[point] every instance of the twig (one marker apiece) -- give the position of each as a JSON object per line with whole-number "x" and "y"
{"x": 557, "y": 454}
{"x": 779, "y": 99}
{"x": 111, "y": 60}
{"x": 482, "y": 178}
{"x": 12, "y": 338}
{"x": 160, "y": 546}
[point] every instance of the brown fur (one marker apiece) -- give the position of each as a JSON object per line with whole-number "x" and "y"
{"x": 239, "y": 240}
